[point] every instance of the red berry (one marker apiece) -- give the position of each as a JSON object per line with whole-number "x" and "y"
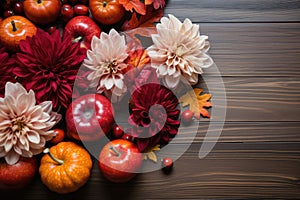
{"x": 127, "y": 137}
{"x": 187, "y": 116}
{"x": 81, "y": 9}
{"x": 60, "y": 135}
{"x": 51, "y": 29}
{"x": 67, "y": 12}
{"x": 167, "y": 164}
{"x": 8, "y": 13}
{"x": 18, "y": 8}
{"x": 118, "y": 131}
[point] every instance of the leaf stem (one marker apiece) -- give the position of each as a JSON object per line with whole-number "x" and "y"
{"x": 114, "y": 151}
{"x": 47, "y": 151}
{"x": 77, "y": 39}
{"x": 13, "y": 25}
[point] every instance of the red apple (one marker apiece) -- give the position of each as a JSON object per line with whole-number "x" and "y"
{"x": 19, "y": 175}
{"x": 120, "y": 161}
{"x": 82, "y": 29}
{"x": 89, "y": 117}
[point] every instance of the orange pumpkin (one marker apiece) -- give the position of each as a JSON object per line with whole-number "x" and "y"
{"x": 13, "y": 29}
{"x": 66, "y": 167}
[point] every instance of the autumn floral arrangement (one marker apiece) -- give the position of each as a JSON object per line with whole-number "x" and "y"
{"x": 66, "y": 73}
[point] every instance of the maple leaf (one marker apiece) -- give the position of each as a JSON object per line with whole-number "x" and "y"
{"x": 144, "y": 25}
{"x": 137, "y": 5}
{"x": 144, "y": 21}
{"x": 197, "y": 102}
{"x": 156, "y": 3}
{"x": 138, "y": 57}
{"x": 149, "y": 153}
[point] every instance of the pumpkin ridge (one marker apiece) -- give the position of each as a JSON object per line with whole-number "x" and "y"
{"x": 69, "y": 185}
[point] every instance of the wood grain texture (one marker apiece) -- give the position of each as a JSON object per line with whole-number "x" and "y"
{"x": 256, "y": 46}
{"x": 235, "y": 10}
{"x": 258, "y": 98}
{"x": 252, "y": 49}
{"x": 232, "y": 170}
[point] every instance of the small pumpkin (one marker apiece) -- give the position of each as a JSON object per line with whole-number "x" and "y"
{"x": 14, "y": 29}
{"x": 66, "y": 167}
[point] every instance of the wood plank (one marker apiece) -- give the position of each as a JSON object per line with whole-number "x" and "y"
{"x": 243, "y": 132}
{"x": 254, "y": 49}
{"x": 257, "y": 99}
{"x": 251, "y": 170}
{"x": 235, "y": 10}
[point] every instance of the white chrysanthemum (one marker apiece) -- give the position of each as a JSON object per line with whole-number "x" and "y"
{"x": 179, "y": 51}
{"x": 106, "y": 60}
{"x": 24, "y": 125}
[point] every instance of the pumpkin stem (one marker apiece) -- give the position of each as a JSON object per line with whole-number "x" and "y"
{"x": 114, "y": 151}
{"x": 77, "y": 39}
{"x": 47, "y": 150}
{"x": 13, "y": 25}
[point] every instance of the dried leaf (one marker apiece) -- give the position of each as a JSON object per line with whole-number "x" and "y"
{"x": 144, "y": 25}
{"x": 138, "y": 57}
{"x": 149, "y": 153}
{"x": 197, "y": 102}
{"x": 137, "y": 5}
{"x": 156, "y": 3}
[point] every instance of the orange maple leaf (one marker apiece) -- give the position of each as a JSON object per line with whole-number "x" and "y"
{"x": 137, "y": 5}
{"x": 197, "y": 102}
{"x": 156, "y": 3}
{"x": 138, "y": 57}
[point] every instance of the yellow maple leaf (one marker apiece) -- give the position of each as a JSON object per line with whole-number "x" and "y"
{"x": 149, "y": 153}
{"x": 197, "y": 102}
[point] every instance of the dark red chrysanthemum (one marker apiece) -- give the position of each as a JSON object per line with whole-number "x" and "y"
{"x": 154, "y": 115}
{"x": 49, "y": 64}
{"x": 6, "y": 66}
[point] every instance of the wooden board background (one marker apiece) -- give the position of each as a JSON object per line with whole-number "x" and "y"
{"x": 256, "y": 46}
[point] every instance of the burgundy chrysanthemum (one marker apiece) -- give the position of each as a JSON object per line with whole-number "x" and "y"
{"x": 6, "y": 66}
{"x": 48, "y": 65}
{"x": 154, "y": 115}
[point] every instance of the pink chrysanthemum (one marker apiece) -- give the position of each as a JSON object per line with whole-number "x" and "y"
{"x": 24, "y": 125}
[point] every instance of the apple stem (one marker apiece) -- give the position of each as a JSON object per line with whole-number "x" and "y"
{"x": 13, "y": 25}
{"x": 104, "y": 4}
{"x": 39, "y": 1}
{"x": 47, "y": 150}
{"x": 114, "y": 151}
{"x": 77, "y": 39}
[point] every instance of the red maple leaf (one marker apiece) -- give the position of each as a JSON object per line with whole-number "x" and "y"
{"x": 144, "y": 25}
{"x": 137, "y": 5}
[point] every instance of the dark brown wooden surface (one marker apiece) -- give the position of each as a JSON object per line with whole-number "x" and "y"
{"x": 256, "y": 46}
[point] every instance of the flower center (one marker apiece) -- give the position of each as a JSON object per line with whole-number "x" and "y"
{"x": 180, "y": 51}
{"x": 18, "y": 124}
{"x": 112, "y": 67}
